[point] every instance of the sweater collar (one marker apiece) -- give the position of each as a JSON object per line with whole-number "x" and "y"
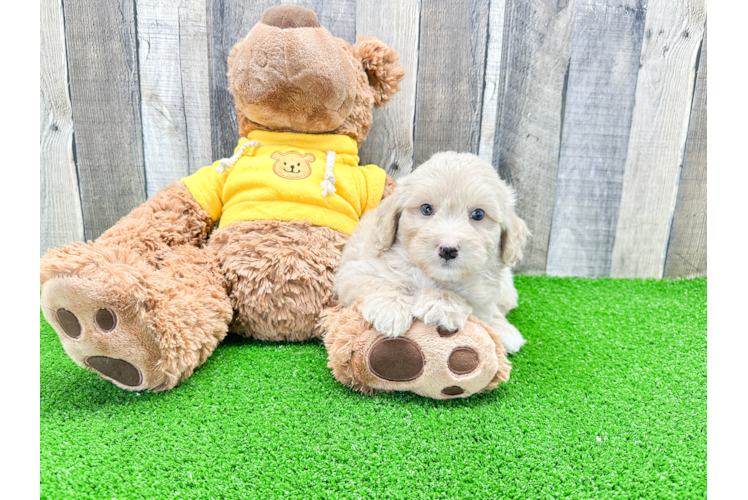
{"x": 340, "y": 144}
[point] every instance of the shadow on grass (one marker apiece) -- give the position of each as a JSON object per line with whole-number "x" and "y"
{"x": 66, "y": 387}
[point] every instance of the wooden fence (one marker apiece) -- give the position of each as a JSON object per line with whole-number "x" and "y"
{"x": 594, "y": 110}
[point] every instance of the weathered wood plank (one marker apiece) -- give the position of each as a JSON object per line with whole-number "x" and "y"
{"x": 452, "y": 54}
{"x": 673, "y": 34}
{"x": 492, "y": 79}
{"x": 174, "y": 89}
{"x": 687, "y": 249}
{"x": 597, "y": 119}
{"x": 104, "y": 91}
{"x": 537, "y": 48}
{"x": 60, "y": 210}
{"x": 230, "y": 21}
{"x": 390, "y": 141}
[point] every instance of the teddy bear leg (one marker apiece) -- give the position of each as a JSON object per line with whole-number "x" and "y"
{"x": 143, "y": 306}
{"x": 280, "y": 276}
{"x": 426, "y": 360}
{"x": 138, "y": 327}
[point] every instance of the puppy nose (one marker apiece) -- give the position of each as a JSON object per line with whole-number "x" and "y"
{"x": 448, "y": 253}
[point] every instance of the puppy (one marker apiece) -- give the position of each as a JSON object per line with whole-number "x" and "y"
{"x": 439, "y": 248}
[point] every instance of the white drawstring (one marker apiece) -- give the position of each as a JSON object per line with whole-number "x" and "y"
{"x": 227, "y": 163}
{"x": 328, "y": 185}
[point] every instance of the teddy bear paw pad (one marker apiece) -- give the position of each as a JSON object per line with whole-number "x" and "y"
{"x": 105, "y": 320}
{"x": 463, "y": 360}
{"x": 116, "y": 369}
{"x": 431, "y": 361}
{"x": 396, "y": 359}
{"x": 453, "y": 390}
{"x": 69, "y": 323}
{"x": 100, "y": 332}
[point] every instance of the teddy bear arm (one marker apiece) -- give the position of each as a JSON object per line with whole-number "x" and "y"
{"x": 170, "y": 218}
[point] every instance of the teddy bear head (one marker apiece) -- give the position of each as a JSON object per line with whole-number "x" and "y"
{"x": 290, "y": 74}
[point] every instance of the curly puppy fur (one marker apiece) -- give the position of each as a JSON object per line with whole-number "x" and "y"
{"x": 394, "y": 262}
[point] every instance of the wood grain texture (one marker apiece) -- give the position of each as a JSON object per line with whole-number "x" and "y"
{"x": 103, "y": 69}
{"x": 390, "y": 141}
{"x": 672, "y": 37}
{"x": 537, "y": 48}
{"x": 599, "y": 104}
{"x": 452, "y": 54}
{"x": 687, "y": 249}
{"x": 60, "y": 210}
{"x": 491, "y": 79}
{"x": 174, "y": 89}
{"x": 229, "y": 21}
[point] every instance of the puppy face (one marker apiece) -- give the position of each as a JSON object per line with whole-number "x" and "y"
{"x": 454, "y": 216}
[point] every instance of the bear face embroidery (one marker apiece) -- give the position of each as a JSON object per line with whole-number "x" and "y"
{"x": 292, "y": 165}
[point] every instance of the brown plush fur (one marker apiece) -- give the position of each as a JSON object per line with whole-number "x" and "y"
{"x": 349, "y": 338}
{"x": 287, "y": 17}
{"x": 171, "y": 318}
{"x": 380, "y": 64}
{"x": 358, "y": 122}
{"x": 343, "y": 327}
{"x": 273, "y": 92}
{"x": 291, "y": 79}
{"x": 174, "y": 287}
{"x": 389, "y": 187}
{"x": 169, "y": 295}
{"x": 170, "y": 218}
{"x": 280, "y": 275}
{"x": 505, "y": 367}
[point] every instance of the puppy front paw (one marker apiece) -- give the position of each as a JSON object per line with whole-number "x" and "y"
{"x": 391, "y": 316}
{"x": 442, "y": 308}
{"x": 511, "y": 338}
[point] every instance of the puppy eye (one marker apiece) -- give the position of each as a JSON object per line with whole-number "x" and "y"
{"x": 477, "y": 214}
{"x": 427, "y": 210}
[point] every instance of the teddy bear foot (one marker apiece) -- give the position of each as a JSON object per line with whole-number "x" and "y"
{"x": 136, "y": 326}
{"x": 103, "y": 335}
{"x": 427, "y": 360}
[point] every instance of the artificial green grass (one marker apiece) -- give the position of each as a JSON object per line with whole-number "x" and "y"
{"x": 606, "y": 400}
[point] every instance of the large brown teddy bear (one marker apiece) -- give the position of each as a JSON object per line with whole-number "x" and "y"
{"x": 149, "y": 300}
{"x": 251, "y": 243}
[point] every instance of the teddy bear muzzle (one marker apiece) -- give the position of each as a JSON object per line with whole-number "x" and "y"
{"x": 290, "y": 16}
{"x": 292, "y": 74}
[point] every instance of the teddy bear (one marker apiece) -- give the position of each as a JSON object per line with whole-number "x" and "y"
{"x": 251, "y": 243}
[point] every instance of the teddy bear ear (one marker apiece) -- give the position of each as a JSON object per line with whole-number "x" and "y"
{"x": 381, "y": 66}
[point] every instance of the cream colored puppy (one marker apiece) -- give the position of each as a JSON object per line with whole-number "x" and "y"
{"x": 439, "y": 248}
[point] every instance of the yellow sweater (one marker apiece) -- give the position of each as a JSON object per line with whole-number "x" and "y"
{"x": 288, "y": 176}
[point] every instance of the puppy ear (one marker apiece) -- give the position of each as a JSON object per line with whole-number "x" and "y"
{"x": 276, "y": 155}
{"x": 513, "y": 239}
{"x": 309, "y": 157}
{"x": 381, "y": 66}
{"x": 387, "y": 219}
